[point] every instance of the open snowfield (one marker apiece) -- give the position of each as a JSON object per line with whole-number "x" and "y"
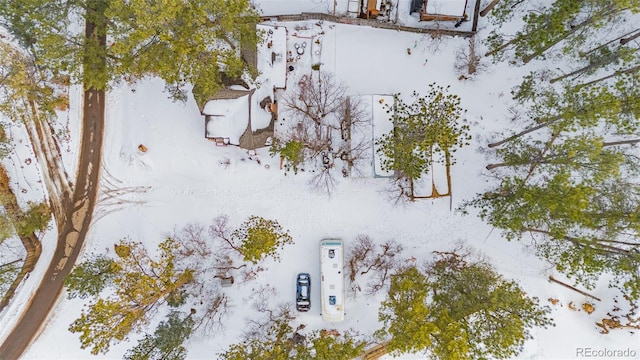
{"x": 181, "y": 180}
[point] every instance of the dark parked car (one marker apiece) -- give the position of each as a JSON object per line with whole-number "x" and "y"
{"x": 303, "y": 292}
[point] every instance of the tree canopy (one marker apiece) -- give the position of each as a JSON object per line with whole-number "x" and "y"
{"x": 278, "y": 341}
{"x": 139, "y": 286}
{"x": 458, "y": 309}
{"x": 166, "y": 341}
{"x": 181, "y": 42}
{"x": 255, "y": 239}
{"x": 430, "y": 128}
{"x": 568, "y": 180}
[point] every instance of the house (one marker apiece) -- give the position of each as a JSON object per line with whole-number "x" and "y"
{"x": 442, "y": 10}
{"x": 226, "y": 116}
{"x": 242, "y": 115}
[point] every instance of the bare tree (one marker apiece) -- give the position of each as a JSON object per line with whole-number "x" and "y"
{"x": 207, "y": 300}
{"x": 468, "y": 61}
{"x": 359, "y": 254}
{"x": 375, "y": 263}
{"x": 398, "y": 190}
{"x": 322, "y": 118}
{"x": 383, "y": 264}
{"x": 211, "y": 319}
{"x": 323, "y": 180}
{"x": 315, "y": 99}
{"x": 194, "y": 242}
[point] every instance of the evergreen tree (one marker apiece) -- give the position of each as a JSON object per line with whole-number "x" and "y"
{"x": 276, "y": 342}
{"x": 91, "y": 277}
{"x": 181, "y": 42}
{"x": 324, "y": 346}
{"x": 570, "y": 23}
{"x": 273, "y": 343}
{"x": 6, "y": 228}
{"x": 457, "y": 309}
{"x": 429, "y": 127}
{"x": 166, "y": 341}
{"x": 140, "y": 285}
{"x": 259, "y": 238}
{"x": 406, "y": 314}
{"x": 36, "y": 218}
{"x": 584, "y": 228}
{"x": 8, "y": 272}
{"x": 557, "y": 180}
{"x": 292, "y": 154}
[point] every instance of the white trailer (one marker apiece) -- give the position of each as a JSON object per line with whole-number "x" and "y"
{"x": 332, "y": 279}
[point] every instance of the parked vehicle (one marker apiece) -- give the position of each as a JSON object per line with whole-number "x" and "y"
{"x": 303, "y": 292}
{"x": 332, "y": 279}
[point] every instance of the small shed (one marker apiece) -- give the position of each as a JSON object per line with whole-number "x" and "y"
{"x": 444, "y": 10}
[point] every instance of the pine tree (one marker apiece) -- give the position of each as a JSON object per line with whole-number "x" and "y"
{"x": 458, "y": 309}
{"x": 556, "y": 182}
{"x": 259, "y": 238}
{"x": 429, "y": 127}
{"x": 276, "y": 341}
{"x": 166, "y": 341}
{"x": 140, "y": 285}
{"x": 35, "y": 219}
{"x": 273, "y": 343}
{"x": 584, "y": 228}
{"x": 324, "y": 346}
{"x": 89, "y": 278}
{"x": 8, "y": 272}
{"x": 292, "y": 154}
{"x": 406, "y": 314}
{"x": 570, "y": 23}
{"x": 181, "y": 42}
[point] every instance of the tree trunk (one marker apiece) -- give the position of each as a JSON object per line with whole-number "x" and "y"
{"x": 488, "y": 8}
{"x": 523, "y": 132}
{"x": 573, "y": 30}
{"x": 501, "y": 47}
{"x": 551, "y": 278}
{"x": 616, "y": 73}
{"x": 412, "y": 195}
{"x": 630, "y": 38}
{"x": 30, "y": 242}
{"x": 621, "y": 38}
{"x": 535, "y": 164}
{"x": 604, "y": 61}
{"x": 621, "y": 142}
{"x": 594, "y": 244}
{"x": 503, "y": 164}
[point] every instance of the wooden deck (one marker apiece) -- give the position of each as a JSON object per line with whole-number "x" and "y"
{"x": 375, "y": 352}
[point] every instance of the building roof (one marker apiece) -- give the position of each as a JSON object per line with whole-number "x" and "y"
{"x": 382, "y": 123}
{"x": 227, "y": 118}
{"x": 272, "y": 55}
{"x": 446, "y": 7}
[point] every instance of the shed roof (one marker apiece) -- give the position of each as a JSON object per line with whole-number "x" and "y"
{"x": 446, "y": 7}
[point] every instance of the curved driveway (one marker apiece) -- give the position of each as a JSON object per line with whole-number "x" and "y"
{"x": 73, "y": 232}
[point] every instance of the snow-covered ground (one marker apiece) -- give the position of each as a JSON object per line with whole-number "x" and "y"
{"x": 183, "y": 178}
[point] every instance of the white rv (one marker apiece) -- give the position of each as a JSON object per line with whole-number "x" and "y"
{"x": 332, "y": 279}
